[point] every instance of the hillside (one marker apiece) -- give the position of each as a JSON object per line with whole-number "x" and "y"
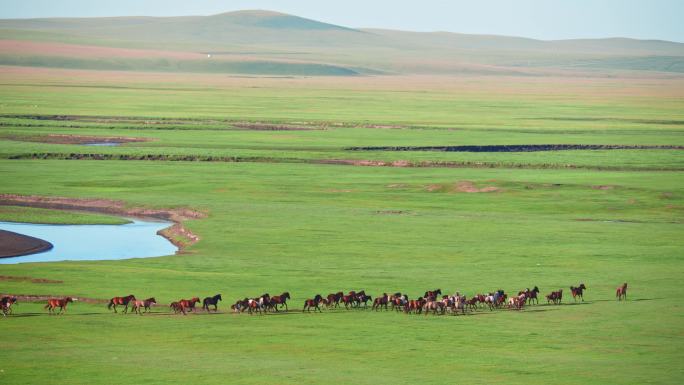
{"x": 265, "y": 42}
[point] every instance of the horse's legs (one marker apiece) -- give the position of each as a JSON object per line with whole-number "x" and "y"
{"x": 285, "y": 303}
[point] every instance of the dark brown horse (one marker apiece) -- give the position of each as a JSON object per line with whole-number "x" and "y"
{"x": 123, "y": 301}
{"x": 211, "y": 301}
{"x": 621, "y": 292}
{"x": 280, "y": 300}
{"x": 52, "y": 304}
{"x": 313, "y": 303}
{"x": 144, "y": 304}
{"x": 578, "y": 291}
{"x": 189, "y": 304}
{"x": 6, "y": 305}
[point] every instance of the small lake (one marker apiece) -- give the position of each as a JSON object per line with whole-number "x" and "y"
{"x": 138, "y": 239}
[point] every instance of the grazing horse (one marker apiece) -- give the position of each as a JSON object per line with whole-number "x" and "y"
{"x": 120, "y": 301}
{"x": 189, "y": 304}
{"x": 313, "y": 303}
{"x": 6, "y": 305}
{"x": 578, "y": 291}
{"x": 52, "y": 304}
{"x": 621, "y": 292}
{"x": 211, "y": 301}
{"x": 145, "y": 304}
{"x": 281, "y": 300}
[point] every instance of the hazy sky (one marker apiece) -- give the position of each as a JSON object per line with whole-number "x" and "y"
{"x": 542, "y": 19}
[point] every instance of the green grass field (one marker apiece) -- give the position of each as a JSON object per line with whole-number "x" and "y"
{"x": 277, "y": 222}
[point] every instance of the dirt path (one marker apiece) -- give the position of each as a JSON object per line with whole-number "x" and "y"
{"x": 176, "y": 234}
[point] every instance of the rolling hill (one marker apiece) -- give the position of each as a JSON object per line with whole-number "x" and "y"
{"x": 271, "y": 43}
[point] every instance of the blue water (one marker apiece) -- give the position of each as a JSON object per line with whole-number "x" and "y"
{"x": 138, "y": 239}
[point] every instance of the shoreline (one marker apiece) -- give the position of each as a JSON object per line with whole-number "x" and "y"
{"x": 177, "y": 234}
{"x": 16, "y": 245}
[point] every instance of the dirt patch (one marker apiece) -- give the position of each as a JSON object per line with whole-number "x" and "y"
{"x": 74, "y": 139}
{"x": 469, "y": 187}
{"x": 397, "y": 185}
{"x": 15, "y": 245}
{"x": 29, "y": 279}
{"x": 603, "y": 187}
{"x": 463, "y": 186}
{"x": 332, "y": 190}
{"x": 391, "y": 212}
{"x": 177, "y": 234}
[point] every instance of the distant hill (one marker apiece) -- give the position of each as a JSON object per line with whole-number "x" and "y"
{"x": 265, "y": 42}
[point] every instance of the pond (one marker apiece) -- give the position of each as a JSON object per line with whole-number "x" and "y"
{"x": 138, "y": 239}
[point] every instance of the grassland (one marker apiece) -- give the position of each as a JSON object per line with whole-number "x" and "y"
{"x": 58, "y": 217}
{"x": 279, "y": 223}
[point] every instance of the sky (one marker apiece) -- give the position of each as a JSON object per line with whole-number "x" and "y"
{"x": 540, "y": 19}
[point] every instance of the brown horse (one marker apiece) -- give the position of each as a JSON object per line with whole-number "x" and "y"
{"x": 280, "y": 300}
{"x": 189, "y": 304}
{"x": 313, "y": 303}
{"x": 6, "y": 305}
{"x": 348, "y": 301}
{"x": 52, "y": 304}
{"x": 335, "y": 298}
{"x": 146, "y": 304}
{"x": 120, "y": 301}
{"x": 578, "y": 291}
{"x": 177, "y": 308}
{"x": 621, "y": 292}
{"x": 381, "y": 301}
{"x": 556, "y": 297}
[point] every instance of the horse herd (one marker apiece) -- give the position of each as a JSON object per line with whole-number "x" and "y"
{"x": 432, "y": 301}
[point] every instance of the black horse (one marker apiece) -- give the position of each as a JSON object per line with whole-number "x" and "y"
{"x": 211, "y": 301}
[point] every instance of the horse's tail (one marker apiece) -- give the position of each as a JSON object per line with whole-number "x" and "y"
{"x": 47, "y": 305}
{"x": 111, "y": 302}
